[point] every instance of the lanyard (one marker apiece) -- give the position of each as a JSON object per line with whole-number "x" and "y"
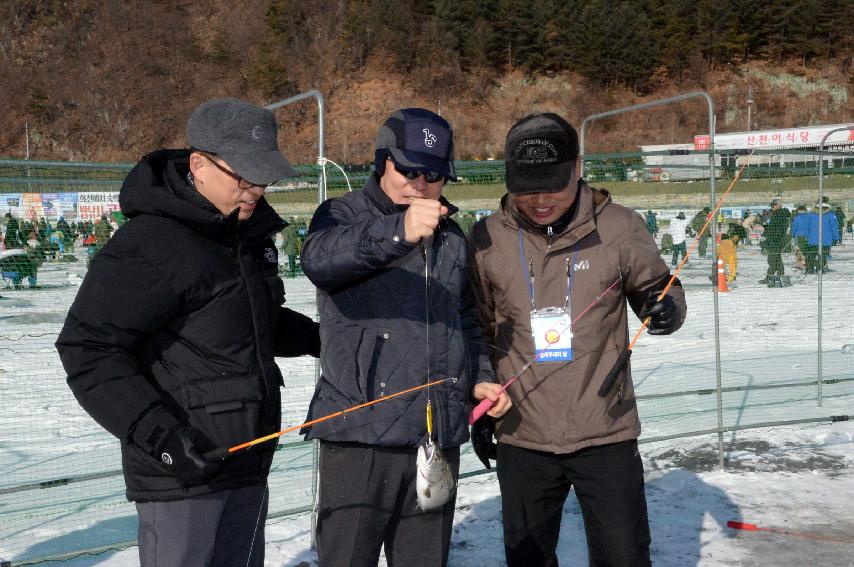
{"x": 529, "y": 266}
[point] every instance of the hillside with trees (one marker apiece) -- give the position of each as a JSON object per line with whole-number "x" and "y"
{"x": 109, "y": 80}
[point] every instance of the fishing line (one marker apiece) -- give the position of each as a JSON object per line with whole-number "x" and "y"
{"x": 425, "y": 254}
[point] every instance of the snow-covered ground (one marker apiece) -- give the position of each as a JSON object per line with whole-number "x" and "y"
{"x": 796, "y": 477}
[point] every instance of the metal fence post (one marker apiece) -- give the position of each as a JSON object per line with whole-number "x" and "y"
{"x": 714, "y": 225}
{"x": 821, "y": 247}
{"x": 321, "y": 196}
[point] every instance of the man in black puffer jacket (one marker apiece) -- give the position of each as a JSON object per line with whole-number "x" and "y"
{"x": 367, "y": 252}
{"x": 169, "y": 344}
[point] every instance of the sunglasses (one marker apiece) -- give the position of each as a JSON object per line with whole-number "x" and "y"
{"x": 241, "y": 183}
{"x": 413, "y": 174}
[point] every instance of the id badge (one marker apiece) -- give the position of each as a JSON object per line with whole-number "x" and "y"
{"x": 552, "y": 335}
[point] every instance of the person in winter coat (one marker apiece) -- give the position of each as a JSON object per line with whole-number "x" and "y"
{"x": 799, "y": 228}
{"x": 170, "y": 343}
{"x": 727, "y": 252}
{"x": 776, "y": 241}
{"x": 12, "y": 237}
{"x": 291, "y": 244}
{"x": 679, "y": 231}
{"x": 697, "y": 224}
{"x": 553, "y": 251}
{"x": 386, "y": 325}
{"x": 103, "y": 230}
{"x": 840, "y": 222}
{"x": 819, "y": 247}
{"x": 17, "y": 264}
{"x": 651, "y": 223}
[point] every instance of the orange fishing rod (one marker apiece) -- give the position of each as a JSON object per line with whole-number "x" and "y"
{"x": 223, "y": 452}
{"x": 623, "y": 359}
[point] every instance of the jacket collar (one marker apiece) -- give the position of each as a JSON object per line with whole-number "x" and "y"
{"x": 589, "y": 203}
{"x": 159, "y": 185}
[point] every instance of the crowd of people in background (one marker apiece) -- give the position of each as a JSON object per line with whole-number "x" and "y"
{"x": 25, "y": 244}
{"x": 776, "y": 230}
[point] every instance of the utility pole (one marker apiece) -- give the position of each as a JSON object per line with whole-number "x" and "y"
{"x": 27, "y": 138}
{"x": 749, "y": 105}
{"x": 510, "y": 56}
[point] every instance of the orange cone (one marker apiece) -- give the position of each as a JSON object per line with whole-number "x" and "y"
{"x": 722, "y": 286}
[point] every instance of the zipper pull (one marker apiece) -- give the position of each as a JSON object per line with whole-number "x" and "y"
{"x": 533, "y": 282}
{"x": 550, "y": 231}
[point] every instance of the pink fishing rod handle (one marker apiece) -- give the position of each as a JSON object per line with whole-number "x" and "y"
{"x": 484, "y": 406}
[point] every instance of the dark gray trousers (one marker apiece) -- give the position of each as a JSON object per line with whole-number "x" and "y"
{"x": 367, "y": 500}
{"x": 222, "y": 529}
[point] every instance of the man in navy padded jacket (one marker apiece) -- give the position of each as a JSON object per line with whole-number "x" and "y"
{"x": 367, "y": 252}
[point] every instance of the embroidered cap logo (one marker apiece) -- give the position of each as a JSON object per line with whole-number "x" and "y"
{"x": 257, "y": 133}
{"x": 536, "y": 151}
{"x": 429, "y": 139}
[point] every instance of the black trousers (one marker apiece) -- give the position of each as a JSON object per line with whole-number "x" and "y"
{"x": 367, "y": 500}
{"x": 775, "y": 264}
{"x": 609, "y": 484}
{"x": 221, "y": 529}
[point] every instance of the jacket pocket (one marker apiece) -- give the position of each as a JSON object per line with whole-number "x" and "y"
{"x": 379, "y": 357}
{"x": 227, "y": 408}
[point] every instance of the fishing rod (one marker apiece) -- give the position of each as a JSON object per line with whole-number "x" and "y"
{"x": 221, "y": 453}
{"x": 486, "y": 404}
{"x": 623, "y": 359}
{"x": 754, "y": 528}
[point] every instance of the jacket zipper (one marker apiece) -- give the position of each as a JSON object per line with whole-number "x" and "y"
{"x": 245, "y": 281}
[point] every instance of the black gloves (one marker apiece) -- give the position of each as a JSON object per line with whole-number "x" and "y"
{"x": 181, "y": 449}
{"x": 481, "y": 439}
{"x": 662, "y": 314}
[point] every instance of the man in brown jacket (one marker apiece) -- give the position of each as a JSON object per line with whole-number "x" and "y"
{"x": 556, "y": 248}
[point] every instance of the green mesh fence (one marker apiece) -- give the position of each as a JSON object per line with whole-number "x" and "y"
{"x": 62, "y": 493}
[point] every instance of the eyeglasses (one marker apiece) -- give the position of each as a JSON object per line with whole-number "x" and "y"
{"x": 241, "y": 183}
{"x": 413, "y": 174}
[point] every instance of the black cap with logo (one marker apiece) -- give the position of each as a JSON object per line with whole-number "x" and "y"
{"x": 540, "y": 154}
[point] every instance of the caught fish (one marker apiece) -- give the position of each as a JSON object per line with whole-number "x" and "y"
{"x": 435, "y": 483}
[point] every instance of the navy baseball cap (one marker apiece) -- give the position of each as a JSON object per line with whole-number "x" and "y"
{"x": 417, "y": 139}
{"x": 540, "y": 154}
{"x": 242, "y": 134}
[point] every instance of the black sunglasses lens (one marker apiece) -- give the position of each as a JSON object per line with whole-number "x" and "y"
{"x": 413, "y": 174}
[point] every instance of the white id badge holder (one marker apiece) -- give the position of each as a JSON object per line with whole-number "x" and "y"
{"x": 552, "y": 334}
